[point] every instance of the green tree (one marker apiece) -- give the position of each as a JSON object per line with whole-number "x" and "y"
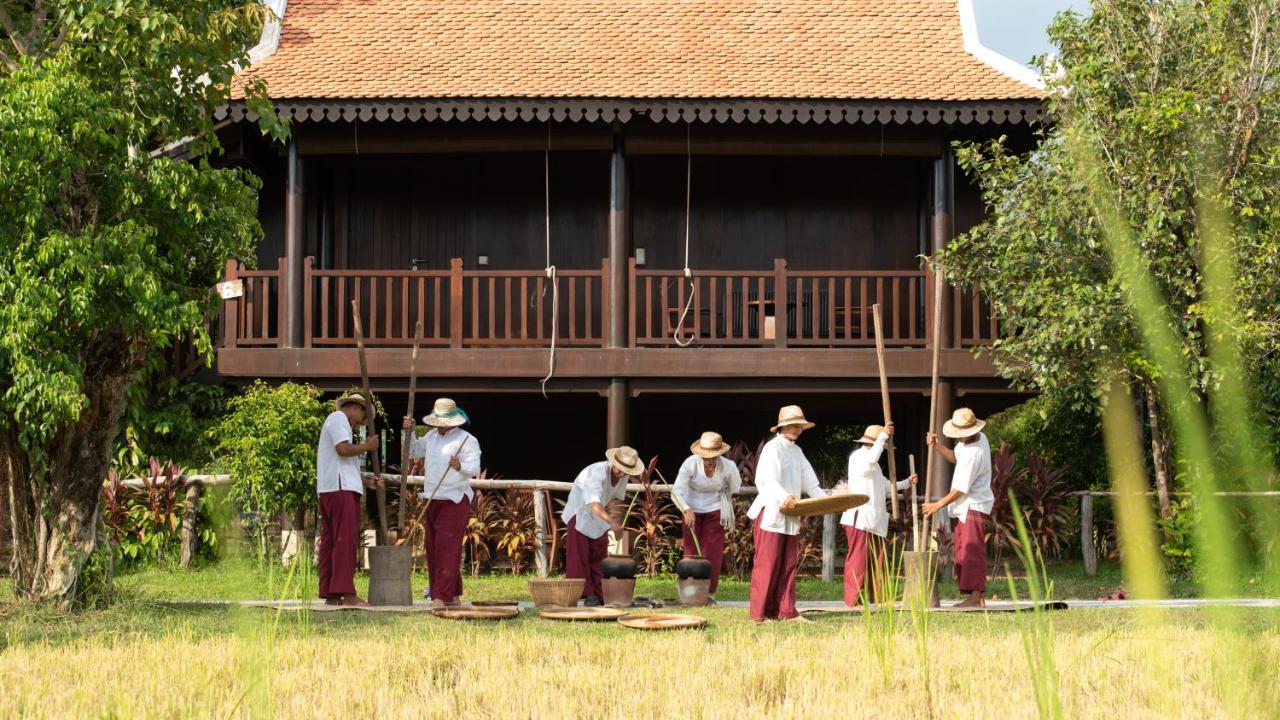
{"x": 267, "y": 443}
{"x": 106, "y": 241}
{"x": 1179, "y": 100}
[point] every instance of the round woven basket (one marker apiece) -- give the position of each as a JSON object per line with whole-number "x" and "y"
{"x": 560, "y": 592}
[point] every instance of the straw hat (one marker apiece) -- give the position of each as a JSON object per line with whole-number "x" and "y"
{"x": 710, "y": 445}
{"x": 345, "y": 400}
{"x": 625, "y": 460}
{"x": 870, "y": 435}
{"x": 791, "y": 415}
{"x": 446, "y": 413}
{"x": 963, "y": 424}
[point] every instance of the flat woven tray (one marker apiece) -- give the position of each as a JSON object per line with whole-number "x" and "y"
{"x": 495, "y": 603}
{"x": 825, "y": 505}
{"x": 477, "y": 613}
{"x": 665, "y": 621}
{"x": 582, "y": 613}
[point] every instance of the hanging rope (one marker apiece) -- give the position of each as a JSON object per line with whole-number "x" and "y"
{"x": 688, "y": 274}
{"x": 551, "y": 269}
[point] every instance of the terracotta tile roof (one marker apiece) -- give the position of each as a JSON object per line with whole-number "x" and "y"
{"x": 788, "y": 49}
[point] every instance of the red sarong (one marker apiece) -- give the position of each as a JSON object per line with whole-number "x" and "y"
{"x": 773, "y": 577}
{"x": 445, "y": 525}
{"x": 862, "y": 566}
{"x": 339, "y": 536}
{"x": 583, "y": 559}
{"x": 971, "y": 553}
{"x": 711, "y": 536}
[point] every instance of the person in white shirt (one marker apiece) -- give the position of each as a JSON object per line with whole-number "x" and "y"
{"x": 783, "y": 474}
{"x": 587, "y": 520}
{"x": 866, "y": 526}
{"x": 970, "y": 499}
{"x": 339, "y": 486}
{"x": 705, "y": 487}
{"x": 449, "y": 458}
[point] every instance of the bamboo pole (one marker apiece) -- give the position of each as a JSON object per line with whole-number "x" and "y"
{"x": 369, "y": 421}
{"x": 888, "y": 416}
{"x": 915, "y": 509}
{"x": 406, "y": 443}
{"x": 931, "y": 462}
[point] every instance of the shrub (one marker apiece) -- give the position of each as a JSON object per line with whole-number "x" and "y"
{"x": 144, "y": 524}
{"x": 1063, "y": 435}
{"x": 267, "y": 443}
{"x": 1178, "y": 531}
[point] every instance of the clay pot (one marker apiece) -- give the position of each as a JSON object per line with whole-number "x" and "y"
{"x": 619, "y": 567}
{"x": 694, "y": 567}
{"x": 693, "y": 592}
{"x": 618, "y": 593}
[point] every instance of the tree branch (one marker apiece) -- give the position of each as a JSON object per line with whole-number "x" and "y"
{"x": 6, "y": 22}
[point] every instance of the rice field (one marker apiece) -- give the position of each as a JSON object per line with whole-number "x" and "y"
{"x": 140, "y": 659}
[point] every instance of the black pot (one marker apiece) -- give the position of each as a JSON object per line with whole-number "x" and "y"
{"x": 693, "y": 567}
{"x": 618, "y": 567}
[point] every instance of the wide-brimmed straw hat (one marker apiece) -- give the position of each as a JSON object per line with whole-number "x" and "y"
{"x": 446, "y": 413}
{"x": 710, "y": 445}
{"x": 355, "y": 398}
{"x": 963, "y": 424}
{"x": 871, "y": 434}
{"x": 626, "y": 460}
{"x": 791, "y": 415}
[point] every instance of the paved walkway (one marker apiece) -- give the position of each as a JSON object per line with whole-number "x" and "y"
{"x": 809, "y": 605}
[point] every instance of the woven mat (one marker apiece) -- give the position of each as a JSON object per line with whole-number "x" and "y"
{"x": 582, "y": 613}
{"x": 665, "y": 621}
{"x": 477, "y": 613}
{"x": 825, "y": 505}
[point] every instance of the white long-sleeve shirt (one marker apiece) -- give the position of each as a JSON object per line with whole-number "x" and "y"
{"x": 782, "y": 470}
{"x": 436, "y": 450}
{"x": 866, "y": 478}
{"x": 972, "y": 477}
{"x": 702, "y": 493}
{"x": 593, "y": 485}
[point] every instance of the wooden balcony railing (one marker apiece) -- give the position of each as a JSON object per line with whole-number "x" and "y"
{"x": 823, "y": 308}
{"x": 462, "y": 307}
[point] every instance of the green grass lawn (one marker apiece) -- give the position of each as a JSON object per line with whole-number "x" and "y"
{"x": 243, "y": 579}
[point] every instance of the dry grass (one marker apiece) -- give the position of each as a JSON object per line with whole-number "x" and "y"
{"x": 239, "y": 664}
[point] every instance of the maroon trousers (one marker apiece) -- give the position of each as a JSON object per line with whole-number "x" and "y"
{"x": 971, "y": 553}
{"x": 863, "y": 564}
{"x": 445, "y": 525}
{"x": 711, "y": 537}
{"x": 339, "y": 533}
{"x": 773, "y": 577}
{"x": 583, "y": 559}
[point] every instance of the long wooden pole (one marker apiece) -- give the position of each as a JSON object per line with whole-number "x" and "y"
{"x": 888, "y": 416}
{"x": 406, "y": 442}
{"x": 931, "y": 462}
{"x": 369, "y": 421}
{"x": 915, "y": 508}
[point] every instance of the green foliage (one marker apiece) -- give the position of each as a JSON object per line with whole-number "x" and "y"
{"x": 1060, "y": 432}
{"x": 267, "y": 443}
{"x": 171, "y": 417}
{"x": 1178, "y": 529}
{"x": 144, "y": 524}
{"x": 1178, "y": 106}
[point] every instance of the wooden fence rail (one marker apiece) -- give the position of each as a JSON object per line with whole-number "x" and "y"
{"x": 1089, "y": 548}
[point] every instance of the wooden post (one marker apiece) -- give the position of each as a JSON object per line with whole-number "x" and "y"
{"x": 828, "y": 547}
{"x": 231, "y": 308}
{"x": 618, "y": 412}
{"x": 407, "y": 437}
{"x": 780, "y": 313}
{"x": 190, "y": 535}
{"x": 294, "y": 244}
{"x": 1087, "y": 547}
{"x": 284, "y": 307}
{"x": 455, "y": 302}
{"x": 616, "y": 281}
{"x": 541, "y": 561}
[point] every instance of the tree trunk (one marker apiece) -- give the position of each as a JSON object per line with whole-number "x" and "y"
{"x": 1159, "y": 446}
{"x": 54, "y": 513}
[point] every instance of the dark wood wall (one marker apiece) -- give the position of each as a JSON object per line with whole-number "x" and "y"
{"x": 383, "y": 210}
{"x": 817, "y": 212}
{"x": 389, "y": 209}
